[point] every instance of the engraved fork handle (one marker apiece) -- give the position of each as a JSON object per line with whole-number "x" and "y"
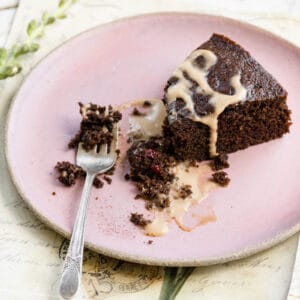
{"x": 71, "y": 275}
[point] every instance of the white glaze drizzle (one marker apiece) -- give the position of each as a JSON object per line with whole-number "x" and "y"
{"x": 197, "y": 177}
{"x": 158, "y": 227}
{"x": 149, "y": 125}
{"x": 181, "y": 89}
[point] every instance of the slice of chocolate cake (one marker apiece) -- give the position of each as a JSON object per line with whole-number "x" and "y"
{"x": 220, "y": 100}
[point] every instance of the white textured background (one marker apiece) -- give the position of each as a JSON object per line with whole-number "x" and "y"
{"x": 279, "y": 16}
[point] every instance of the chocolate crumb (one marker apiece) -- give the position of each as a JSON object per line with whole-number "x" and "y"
{"x": 98, "y": 183}
{"x": 107, "y": 179}
{"x": 138, "y": 113}
{"x": 185, "y": 191}
{"x": 139, "y": 220}
{"x": 162, "y": 202}
{"x": 147, "y": 103}
{"x": 193, "y": 163}
{"x": 149, "y": 205}
{"x": 149, "y": 242}
{"x": 151, "y": 170}
{"x": 111, "y": 171}
{"x": 96, "y": 126}
{"x": 220, "y": 162}
{"x": 53, "y": 193}
{"x": 127, "y": 176}
{"x": 221, "y": 178}
{"x": 68, "y": 173}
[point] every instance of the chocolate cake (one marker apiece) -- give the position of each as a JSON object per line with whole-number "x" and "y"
{"x": 95, "y": 129}
{"x": 68, "y": 173}
{"x": 220, "y": 100}
{"x": 219, "y": 162}
{"x": 150, "y": 170}
{"x": 139, "y": 219}
{"x": 221, "y": 178}
{"x": 96, "y": 126}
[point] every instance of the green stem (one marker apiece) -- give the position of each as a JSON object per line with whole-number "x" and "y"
{"x": 9, "y": 65}
{"x": 168, "y": 279}
{"x": 173, "y": 280}
{"x": 186, "y": 272}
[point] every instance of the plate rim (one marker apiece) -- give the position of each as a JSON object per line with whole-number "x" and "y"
{"x": 277, "y": 239}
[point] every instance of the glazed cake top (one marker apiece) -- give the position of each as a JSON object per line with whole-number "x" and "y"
{"x": 217, "y": 74}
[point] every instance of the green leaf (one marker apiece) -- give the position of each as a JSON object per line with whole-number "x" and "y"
{"x": 3, "y": 54}
{"x": 40, "y": 32}
{"x": 12, "y": 70}
{"x": 34, "y": 47}
{"x": 15, "y": 49}
{"x": 61, "y": 16}
{"x": 50, "y": 20}
{"x": 3, "y": 76}
{"x": 9, "y": 65}
{"x": 31, "y": 27}
{"x": 24, "y": 49}
{"x": 61, "y": 3}
{"x": 47, "y": 19}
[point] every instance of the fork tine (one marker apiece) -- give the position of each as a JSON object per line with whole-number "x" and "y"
{"x": 114, "y": 142}
{"x": 103, "y": 149}
{"x": 80, "y": 148}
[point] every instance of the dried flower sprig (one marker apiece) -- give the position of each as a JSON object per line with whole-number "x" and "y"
{"x": 9, "y": 58}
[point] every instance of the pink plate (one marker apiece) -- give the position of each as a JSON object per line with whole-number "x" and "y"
{"x": 132, "y": 59}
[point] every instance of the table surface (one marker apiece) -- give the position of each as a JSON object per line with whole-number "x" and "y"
{"x": 8, "y": 9}
{"x": 7, "y": 12}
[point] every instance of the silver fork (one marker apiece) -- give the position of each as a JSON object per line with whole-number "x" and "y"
{"x": 93, "y": 163}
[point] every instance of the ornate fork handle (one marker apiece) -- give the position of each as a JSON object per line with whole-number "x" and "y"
{"x": 71, "y": 274}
